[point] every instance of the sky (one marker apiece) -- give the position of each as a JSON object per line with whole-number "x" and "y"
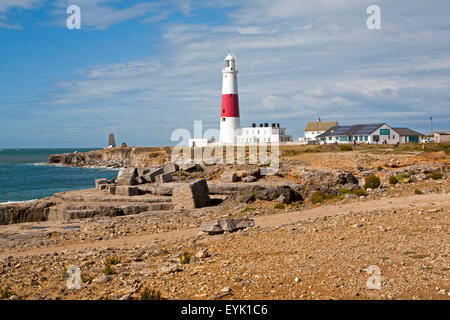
{"x": 143, "y": 69}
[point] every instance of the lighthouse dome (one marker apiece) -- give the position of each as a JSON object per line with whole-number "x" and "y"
{"x": 230, "y": 57}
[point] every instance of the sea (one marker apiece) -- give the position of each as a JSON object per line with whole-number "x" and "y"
{"x": 25, "y": 174}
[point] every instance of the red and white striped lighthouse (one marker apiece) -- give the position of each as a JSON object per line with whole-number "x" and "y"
{"x": 229, "y": 114}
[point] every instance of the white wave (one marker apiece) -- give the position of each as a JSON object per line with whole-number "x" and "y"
{"x": 25, "y": 201}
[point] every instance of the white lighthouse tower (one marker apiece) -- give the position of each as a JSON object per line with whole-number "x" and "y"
{"x": 229, "y": 115}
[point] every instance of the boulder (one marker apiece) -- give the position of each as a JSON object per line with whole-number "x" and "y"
{"x": 274, "y": 193}
{"x": 143, "y": 171}
{"x": 228, "y": 177}
{"x": 127, "y": 177}
{"x": 151, "y": 176}
{"x": 170, "y": 167}
{"x": 191, "y": 195}
{"x": 127, "y": 191}
{"x": 190, "y": 167}
{"x": 230, "y": 225}
{"x": 163, "y": 178}
{"x": 327, "y": 178}
{"x": 249, "y": 179}
{"x": 99, "y": 182}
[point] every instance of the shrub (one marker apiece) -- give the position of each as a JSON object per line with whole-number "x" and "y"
{"x": 150, "y": 294}
{"x": 112, "y": 261}
{"x": 186, "y": 258}
{"x": 417, "y": 191}
{"x": 320, "y": 196}
{"x": 6, "y": 293}
{"x": 279, "y": 206}
{"x": 403, "y": 176}
{"x": 346, "y": 148}
{"x": 87, "y": 279}
{"x": 291, "y": 153}
{"x": 108, "y": 270}
{"x": 435, "y": 175}
{"x": 360, "y": 192}
{"x": 393, "y": 180}
{"x": 372, "y": 182}
{"x": 380, "y": 168}
{"x": 343, "y": 191}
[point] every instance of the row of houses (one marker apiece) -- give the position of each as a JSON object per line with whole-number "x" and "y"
{"x": 332, "y": 132}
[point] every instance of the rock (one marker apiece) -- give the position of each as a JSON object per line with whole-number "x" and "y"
{"x": 170, "y": 167}
{"x": 327, "y": 178}
{"x": 249, "y": 179}
{"x": 190, "y": 167}
{"x": 99, "y": 182}
{"x": 202, "y": 254}
{"x": 127, "y": 177}
{"x": 14, "y": 297}
{"x": 191, "y": 195}
{"x": 102, "y": 279}
{"x": 150, "y": 177}
{"x": 112, "y": 189}
{"x": 229, "y": 177}
{"x": 125, "y": 297}
{"x": 219, "y": 226}
{"x": 350, "y": 196}
{"x": 127, "y": 191}
{"x": 246, "y": 198}
{"x": 163, "y": 178}
{"x": 273, "y": 193}
{"x": 143, "y": 171}
{"x": 172, "y": 268}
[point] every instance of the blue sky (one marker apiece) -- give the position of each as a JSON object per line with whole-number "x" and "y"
{"x": 145, "y": 68}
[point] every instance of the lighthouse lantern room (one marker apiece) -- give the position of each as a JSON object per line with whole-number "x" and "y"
{"x": 229, "y": 115}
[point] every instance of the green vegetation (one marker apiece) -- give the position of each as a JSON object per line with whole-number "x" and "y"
{"x": 186, "y": 258}
{"x": 372, "y": 182}
{"x": 346, "y": 147}
{"x": 6, "y": 293}
{"x": 34, "y": 283}
{"x": 429, "y": 147}
{"x": 108, "y": 270}
{"x": 417, "y": 191}
{"x": 150, "y": 294}
{"x": 407, "y": 253}
{"x": 403, "y": 176}
{"x": 87, "y": 279}
{"x": 279, "y": 206}
{"x": 320, "y": 196}
{"x": 360, "y": 192}
{"x": 247, "y": 209}
{"x": 435, "y": 176}
{"x": 295, "y": 205}
{"x": 419, "y": 256}
{"x": 380, "y": 168}
{"x": 342, "y": 192}
{"x": 393, "y": 180}
{"x": 112, "y": 260}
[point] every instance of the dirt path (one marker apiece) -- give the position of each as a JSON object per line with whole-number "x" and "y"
{"x": 418, "y": 201}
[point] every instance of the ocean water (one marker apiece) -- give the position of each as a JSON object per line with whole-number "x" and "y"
{"x": 25, "y": 175}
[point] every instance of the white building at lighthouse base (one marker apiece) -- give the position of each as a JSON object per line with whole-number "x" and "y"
{"x": 263, "y": 133}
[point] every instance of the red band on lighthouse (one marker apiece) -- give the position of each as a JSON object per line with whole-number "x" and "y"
{"x": 230, "y": 105}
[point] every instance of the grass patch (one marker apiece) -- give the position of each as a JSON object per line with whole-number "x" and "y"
{"x": 279, "y": 206}
{"x": 372, "y": 182}
{"x": 345, "y": 147}
{"x": 419, "y": 256}
{"x": 108, "y": 270}
{"x": 247, "y": 209}
{"x": 360, "y": 192}
{"x": 393, "y": 180}
{"x": 186, "y": 258}
{"x": 417, "y": 191}
{"x": 150, "y": 294}
{"x": 6, "y": 293}
{"x": 87, "y": 279}
{"x": 320, "y": 196}
{"x": 295, "y": 205}
{"x": 407, "y": 253}
{"x": 112, "y": 261}
{"x": 380, "y": 168}
{"x": 435, "y": 176}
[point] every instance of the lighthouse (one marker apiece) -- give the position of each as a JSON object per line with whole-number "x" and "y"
{"x": 229, "y": 113}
